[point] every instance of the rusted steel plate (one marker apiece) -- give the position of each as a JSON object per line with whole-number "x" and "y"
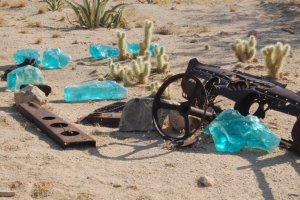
{"x": 7, "y": 194}
{"x": 108, "y": 116}
{"x": 65, "y": 134}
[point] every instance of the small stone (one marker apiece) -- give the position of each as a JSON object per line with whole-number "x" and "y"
{"x": 30, "y": 93}
{"x": 293, "y": 194}
{"x": 95, "y": 90}
{"x": 22, "y": 54}
{"x": 24, "y": 76}
{"x": 193, "y": 41}
{"x": 54, "y": 58}
{"x": 206, "y": 181}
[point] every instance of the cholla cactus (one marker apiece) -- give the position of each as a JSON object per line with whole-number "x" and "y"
{"x": 141, "y": 70}
{"x": 274, "y": 58}
{"x": 116, "y": 71}
{"x": 145, "y": 45}
{"x": 154, "y": 86}
{"x": 128, "y": 78}
{"x": 244, "y": 50}
{"x": 163, "y": 64}
{"x": 122, "y": 44}
{"x": 147, "y": 56}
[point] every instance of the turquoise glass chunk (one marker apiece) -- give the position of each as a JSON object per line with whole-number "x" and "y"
{"x": 24, "y": 75}
{"x": 95, "y": 90}
{"x": 135, "y": 48}
{"x": 232, "y": 132}
{"x": 103, "y": 51}
{"x": 22, "y": 54}
{"x": 55, "y": 58}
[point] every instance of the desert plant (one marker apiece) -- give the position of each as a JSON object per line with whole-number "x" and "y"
{"x": 93, "y": 14}
{"x": 244, "y": 50}
{"x": 154, "y": 86}
{"x": 128, "y": 78}
{"x": 275, "y": 56}
{"x": 116, "y": 71}
{"x": 122, "y": 45}
{"x": 141, "y": 70}
{"x": 55, "y": 4}
{"x": 163, "y": 64}
{"x": 148, "y": 29}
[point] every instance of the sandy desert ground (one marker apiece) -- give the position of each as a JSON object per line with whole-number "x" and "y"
{"x": 138, "y": 165}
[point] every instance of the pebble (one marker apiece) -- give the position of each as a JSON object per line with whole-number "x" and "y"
{"x": 206, "y": 181}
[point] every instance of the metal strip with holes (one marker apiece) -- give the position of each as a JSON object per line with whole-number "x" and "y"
{"x": 65, "y": 134}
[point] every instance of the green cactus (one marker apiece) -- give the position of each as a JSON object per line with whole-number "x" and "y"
{"x": 275, "y": 56}
{"x": 128, "y": 78}
{"x": 116, "y": 71}
{"x": 163, "y": 64}
{"x": 154, "y": 86}
{"x": 145, "y": 45}
{"x": 141, "y": 69}
{"x": 122, "y": 44}
{"x": 244, "y": 50}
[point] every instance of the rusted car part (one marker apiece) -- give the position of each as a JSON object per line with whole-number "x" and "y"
{"x": 27, "y": 61}
{"x": 45, "y": 88}
{"x": 108, "y": 116}
{"x": 195, "y": 105}
{"x": 65, "y": 134}
{"x": 245, "y": 89}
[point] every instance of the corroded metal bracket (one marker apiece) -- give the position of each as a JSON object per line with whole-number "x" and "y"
{"x": 65, "y": 134}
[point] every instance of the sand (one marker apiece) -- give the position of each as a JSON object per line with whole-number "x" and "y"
{"x": 141, "y": 165}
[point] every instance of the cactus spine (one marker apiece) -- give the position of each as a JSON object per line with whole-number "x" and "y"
{"x": 162, "y": 59}
{"x": 275, "y": 56}
{"x": 244, "y": 50}
{"x": 141, "y": 70}
{"x": 116, "y": 71}
{"x": 128, "y": 79}
{"x": 148, "y": 28}
{"x": 122, "y": 45}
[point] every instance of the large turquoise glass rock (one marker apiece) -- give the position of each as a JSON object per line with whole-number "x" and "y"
{"x": 103, "y": 51}
{"x": 55, "y": 58}
{"x": 22, "y": 54}
{"x": 23, "y": 76}
{"x": 95, "y": 90}
{"x": 232, "y": 132}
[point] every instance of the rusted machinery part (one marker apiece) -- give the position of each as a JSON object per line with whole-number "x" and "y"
{"x": 296, "y": 135}
{"x": 185, "y": 109}
{"x": 65, "y": 134}
{"x": 108, "y": 116}
{"x": 44, "y": 88}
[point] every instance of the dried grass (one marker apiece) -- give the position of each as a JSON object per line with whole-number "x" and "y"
{"x": 56, "y": 35}
{"x": 23, "y": 31}
{"x": 34, "y": 25}
{"x": 4, "y": 4}
{"x": 38, "y": 41}
{"x": 2, "y": 22}
{"x": 62, "y": 19}
{"x": 165, "y": 30}
{"x": 18, "y": 4}
{"x": 40, "y": 189}
{"x": 42, "y": 9}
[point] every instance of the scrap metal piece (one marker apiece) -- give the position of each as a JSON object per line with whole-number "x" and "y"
{"x": 108, "y": 116}
{"x": 65, "y": 134}
{"x": 7, "y": 194}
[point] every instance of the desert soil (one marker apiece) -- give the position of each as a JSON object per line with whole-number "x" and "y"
{"x": 142, "y": 165}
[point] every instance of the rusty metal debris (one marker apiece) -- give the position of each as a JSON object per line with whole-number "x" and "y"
{"x": 108, "y": 116}
{"x": 7, "y": 194}
{"x": 202, "y": 83}
{"x": 65, "y": 134}
{"x": 27, "y": 61}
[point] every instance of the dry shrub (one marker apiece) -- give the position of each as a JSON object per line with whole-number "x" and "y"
{"x": 42, "y": 9}
{"x": 18, "y": 4}
{"x": 23, "y": 31}
{"x": 56, "y": 35}
{"x": 38, "y": 41}
{"x": 62, "y": 19}
{"x": 40, "y": 189}
{"x": 165, "y": 30}
{"x": 34, "y": 25}
{"x": 4, "y": 4}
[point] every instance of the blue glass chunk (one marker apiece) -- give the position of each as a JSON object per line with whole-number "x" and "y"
{"x": 103, "y": 51}
{"x": 95, "y": 90}
{"x": 24, "y": 75}
{"x": 232, "y": 132}
{"x": 135, "y": 48}
{"x": 22, "y": 54}
{"x": 54, "y": 58}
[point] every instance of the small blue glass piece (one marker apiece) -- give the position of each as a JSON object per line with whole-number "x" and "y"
{"x": 95, "y": 90}
{"x": 103, "y": 51}
{"x": 232, "y": 132}
{"x": 54, "y": 58}
{"x": 22, "y": 54}
{"x": 23, "y": 76}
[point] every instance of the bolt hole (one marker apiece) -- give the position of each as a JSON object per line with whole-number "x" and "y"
{"x": 59, "y": 125}
{"x": 48, "y": 118}
{"x": 70, "y": 133}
